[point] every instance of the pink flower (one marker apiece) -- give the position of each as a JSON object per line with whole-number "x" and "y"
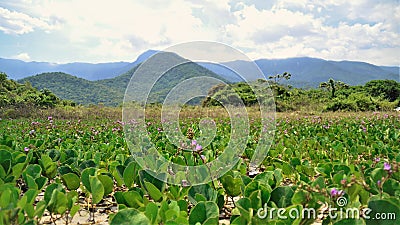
{"x": 26, "y": 149}
{"x": 194, "y": 142}
{"x": 199, "y": 148}
{"x": 334, "y": 192}
{"x": 49, "y": 118}
{"x": 386, "y": 166}
{"x": 203, "y": 158}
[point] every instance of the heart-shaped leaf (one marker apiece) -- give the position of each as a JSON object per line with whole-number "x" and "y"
{"x": 130, "y": 216}
{"x": 71, "y": 181}
{"x": 203, "y": 211}
{"x": 97, "y": 189}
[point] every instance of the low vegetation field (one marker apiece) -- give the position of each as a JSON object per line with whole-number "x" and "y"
{"x": 75, "y": 167}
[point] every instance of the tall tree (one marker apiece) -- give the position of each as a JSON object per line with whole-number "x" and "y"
{"x": 333, "y": 86}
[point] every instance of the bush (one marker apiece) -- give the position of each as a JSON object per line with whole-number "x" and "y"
{"x": 355, "y": 102}
{"x": 388, "y": 89}
{"x": 341, "y": 105}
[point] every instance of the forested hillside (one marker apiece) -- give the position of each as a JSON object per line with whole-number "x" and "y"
{"x": 111, "y": 91}
{"x": 25, "y": 97}
{"x": 73, "y": 88}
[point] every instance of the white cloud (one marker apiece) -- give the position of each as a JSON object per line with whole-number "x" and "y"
{"x": 153, "y": 24}
{"x": 12, "y": 22}
{"x": 280, "y": 33}
{"x": 113, "y": 31}
{"x": 22, "y": 56}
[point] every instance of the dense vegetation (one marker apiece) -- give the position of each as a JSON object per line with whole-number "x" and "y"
{"x": 331, "y": 96}
{"x": 374, "y": 95}
{"x": 76, "y": 89}
{"x": 73, "y": 171}
{"x": 74, "y": 165}
{"x": 14, "y": 96}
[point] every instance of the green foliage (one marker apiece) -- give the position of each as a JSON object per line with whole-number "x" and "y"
{"x": 204, "y": 213}
{"x": 278, "y": 77}
{"x": 387, "y": 89}
{"x": 310, "y": 157}
{"x": 359, "y": 102}
{"x": 76, "y": 89}
{"x": 332, "y": 96}
{"x": 333, "y": 86}
{"x": 127, "y": 216}
{"x": 111, "y": 92}
{"x": 15, "y": 94}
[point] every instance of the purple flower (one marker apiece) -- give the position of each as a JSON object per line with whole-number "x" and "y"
{"x": 31, "y": 132}
{"x": 377, "y": 159}
{"x": 49, "y": 118}
{"x": 386, "y": 166}
{"x": 159, "y": 129}
{"x": 379, "y": 183}
{"x": 199, "y": 148}
{"x": 203, "y": 158}
{"x": 334, "y": 192}
{"x": 194, "y": 142}
{"x": 26, "y": 149}
{"x": 285, "y": 131}
{"x": 364, "y": 129}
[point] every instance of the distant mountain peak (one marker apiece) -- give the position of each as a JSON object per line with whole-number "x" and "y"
{"x": 145, "y": 55}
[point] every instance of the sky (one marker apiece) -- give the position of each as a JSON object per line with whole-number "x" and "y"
{"x": 109, "y": 31}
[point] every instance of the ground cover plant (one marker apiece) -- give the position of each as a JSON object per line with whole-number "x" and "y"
{"x": 64, "y": 170}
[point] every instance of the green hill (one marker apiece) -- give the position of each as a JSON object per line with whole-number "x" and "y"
{"x": 111, "y": 91}
{"x": 73, "y": 88}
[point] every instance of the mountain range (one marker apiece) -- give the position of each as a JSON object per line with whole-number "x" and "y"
{"x": 18, "y": 69}
{"x": 305, "y": 71}
{"x": 87, "y": 83}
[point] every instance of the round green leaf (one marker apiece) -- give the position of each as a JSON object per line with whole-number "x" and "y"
{"x": 71, "y": 180}
{"x": 203, "y": 211}
{"x": 130, "y": 216}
